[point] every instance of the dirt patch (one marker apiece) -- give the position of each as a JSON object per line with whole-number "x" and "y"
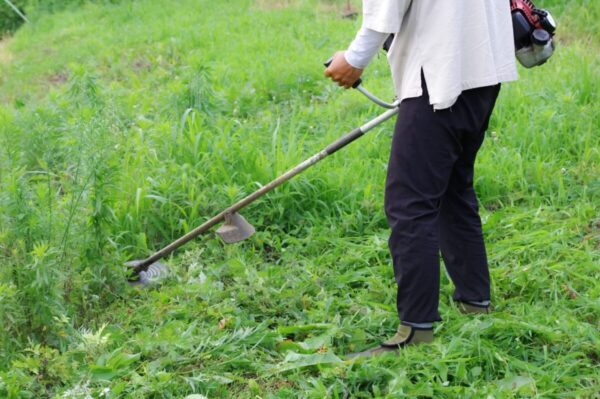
{"x": 346, "y": 9}
{"x": 5, "y": 56}
{"x": 58, "y": 78}
{"x": 275, "y": 4}
{"x": 141, "y": 64}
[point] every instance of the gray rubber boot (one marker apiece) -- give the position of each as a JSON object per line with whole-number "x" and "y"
{"x": 405, "y": 335}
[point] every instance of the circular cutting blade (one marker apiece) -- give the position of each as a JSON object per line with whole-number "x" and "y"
{"x": 155, "y": 272}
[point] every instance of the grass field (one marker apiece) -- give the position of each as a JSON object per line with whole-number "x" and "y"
{"x": 123, "y": 126}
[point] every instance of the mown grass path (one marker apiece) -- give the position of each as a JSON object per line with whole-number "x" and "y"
{"x": 124, "y": 125}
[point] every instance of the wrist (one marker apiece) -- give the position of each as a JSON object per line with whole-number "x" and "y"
{"x": 354, "y": 60}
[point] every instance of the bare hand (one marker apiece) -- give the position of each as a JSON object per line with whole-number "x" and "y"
{"x": 341, "y": 72}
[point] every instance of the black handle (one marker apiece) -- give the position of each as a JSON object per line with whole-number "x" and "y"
{"x": 355, "y": 85}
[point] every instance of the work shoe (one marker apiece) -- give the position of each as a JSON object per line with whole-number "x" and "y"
{"x": 406, "y": 335}
{"x": 470, "y": 308}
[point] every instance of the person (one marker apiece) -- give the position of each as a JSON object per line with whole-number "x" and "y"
{"x": 447, "y": 60}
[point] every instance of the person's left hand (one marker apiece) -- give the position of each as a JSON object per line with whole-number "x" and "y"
{"x": 341, "y": 72}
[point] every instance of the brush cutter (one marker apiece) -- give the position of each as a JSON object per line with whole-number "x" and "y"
{"x": 235, "y": 227}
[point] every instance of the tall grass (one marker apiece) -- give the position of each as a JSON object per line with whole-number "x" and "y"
{"x": 122, "y": 126}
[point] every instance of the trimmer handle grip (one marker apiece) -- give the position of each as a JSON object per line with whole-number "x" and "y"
{"x": 355, "y": 85}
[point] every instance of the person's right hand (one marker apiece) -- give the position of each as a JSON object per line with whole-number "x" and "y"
{"x": 341, "y": 72}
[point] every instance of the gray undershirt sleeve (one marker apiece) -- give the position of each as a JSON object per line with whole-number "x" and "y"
{"x": 364, "y": 47}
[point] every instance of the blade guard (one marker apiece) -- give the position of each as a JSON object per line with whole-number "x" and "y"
{"x": 235, "y": 229}
{"x": 155, "y": 273}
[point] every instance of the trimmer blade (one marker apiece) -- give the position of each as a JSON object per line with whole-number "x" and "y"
{"x": 155, "y": 272}
{"x": 235, "y": 229}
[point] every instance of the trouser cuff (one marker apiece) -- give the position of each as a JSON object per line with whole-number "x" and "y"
{"x": 481, "y": 304}
{"x": 418, "y": 326}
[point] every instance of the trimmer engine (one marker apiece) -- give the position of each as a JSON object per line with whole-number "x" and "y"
{"x": 533, "y": 33}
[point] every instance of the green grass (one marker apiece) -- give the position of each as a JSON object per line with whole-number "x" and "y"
{"x": 122, "y": 126}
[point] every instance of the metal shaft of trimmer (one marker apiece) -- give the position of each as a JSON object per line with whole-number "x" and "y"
{"x": 330, "y": 149}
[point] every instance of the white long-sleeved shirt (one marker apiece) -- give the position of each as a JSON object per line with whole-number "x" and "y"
{"x": 458, "y": 44}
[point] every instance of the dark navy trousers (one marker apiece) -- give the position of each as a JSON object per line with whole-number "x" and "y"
{"x": 431, "y": 205}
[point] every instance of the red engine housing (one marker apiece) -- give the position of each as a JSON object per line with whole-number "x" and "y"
{"x": 527, "y": 8}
